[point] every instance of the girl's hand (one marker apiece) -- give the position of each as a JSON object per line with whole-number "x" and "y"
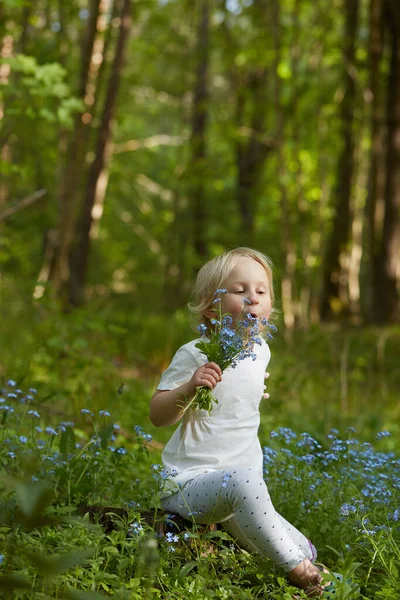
{"x": 207, "y": 375}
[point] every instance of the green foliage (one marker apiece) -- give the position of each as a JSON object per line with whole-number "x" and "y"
{"x": 340, "y": 492}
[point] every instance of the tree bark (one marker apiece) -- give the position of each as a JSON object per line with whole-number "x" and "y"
{"x": 341, "y": 225}
{"x": 252, "y": 145}
{"x": 80, "y": 252}
{"x": 375, "y": 200}
{"x": 71, "y": 178}
{"x": 198, "y": 137}
{"x": 389, "y": 255}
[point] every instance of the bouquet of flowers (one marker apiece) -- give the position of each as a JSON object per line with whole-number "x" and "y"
{"x": 227, "y": 345}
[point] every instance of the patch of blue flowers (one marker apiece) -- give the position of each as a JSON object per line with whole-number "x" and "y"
{"x": 349, "y": 486}
{"x": 88, "y": 466}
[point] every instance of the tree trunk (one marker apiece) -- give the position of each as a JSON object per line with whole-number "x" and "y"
{"x": 374, "y": 204}
{"x": 253, "y": 146}
{"x": 57, "y": 271}
{"x": 330, "y": 302}
{"x": 389, "y": 256}
{"x": 251, "y": 153}
{"x": 80, "y": 252}
{"x": 198, "y": 138}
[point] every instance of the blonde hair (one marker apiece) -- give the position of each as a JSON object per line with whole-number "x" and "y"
{"x": 212, "y": 275}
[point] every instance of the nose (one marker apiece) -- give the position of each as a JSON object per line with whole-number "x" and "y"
{"x": 253, "y": 298}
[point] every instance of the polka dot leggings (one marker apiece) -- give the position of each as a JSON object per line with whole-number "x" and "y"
{"x": 239, "y": 499}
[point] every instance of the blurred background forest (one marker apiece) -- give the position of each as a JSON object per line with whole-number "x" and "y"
{"x": 141, "y": 137}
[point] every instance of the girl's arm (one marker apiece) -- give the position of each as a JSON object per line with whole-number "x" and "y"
{"x": 168, "y": 406}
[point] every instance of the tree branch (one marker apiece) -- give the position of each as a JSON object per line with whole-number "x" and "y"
{"x": 22, "y": 204}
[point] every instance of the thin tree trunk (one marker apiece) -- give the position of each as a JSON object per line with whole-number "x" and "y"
{"x": 198, "y": 138}
{"x": 80, "y": 253}
{"x": 253, "y": 146}
{"x": 389, "y": 257}
{"x": 288, "y": 248}
{"x": 252, "y": 153}
{"x": 341, "y": 226}
{"x": 375, "y": 201}
{"x": 71, "y": 178}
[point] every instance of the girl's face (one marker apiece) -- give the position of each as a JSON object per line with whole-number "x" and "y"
{"x": 248, "y": 279}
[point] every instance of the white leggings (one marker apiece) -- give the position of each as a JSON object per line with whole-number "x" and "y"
{"x": 240, "y": 500}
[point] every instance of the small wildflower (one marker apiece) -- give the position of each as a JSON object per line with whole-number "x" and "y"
{"x": 34, "y": 413}
{"x": 12, "y": 396}
{"x": 50, "y": 431}
{"x": 202, "y": 329}
{"x": 379, "y": 435}
{"x": 1, "y": 559}
{"x": 136, "y": 528}
{"x": 86, "y": 411}
{"x": 32, "y": 391}
{"x": 11, "y": 383}
{"x": 220, "y": 291}
{"x": 104, "y": 413}
{"x": 225, "y": 479}
{"x": 346, "y": 509}
{"x": 122, "y": 451}
{"x": 23, "y": 439}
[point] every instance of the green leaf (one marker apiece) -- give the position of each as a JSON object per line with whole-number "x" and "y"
{"x": 15, "y": 581}
{"x": 33, "y": 496}
{"x": 56, "y": 565}
{"x": 71, "y": 594}
{"x": 217, "y": 534}
{"x": 105, "y": 435}
{"x": 187, "y": 568}
{"x": 67, "y": 442}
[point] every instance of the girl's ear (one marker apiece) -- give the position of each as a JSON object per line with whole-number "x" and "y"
{"x": 209, "y": 313}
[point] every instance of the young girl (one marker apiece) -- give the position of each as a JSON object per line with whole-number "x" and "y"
{"x": 216, "y": 457}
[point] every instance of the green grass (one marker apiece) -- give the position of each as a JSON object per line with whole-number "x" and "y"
{"x": 100, "y": 361}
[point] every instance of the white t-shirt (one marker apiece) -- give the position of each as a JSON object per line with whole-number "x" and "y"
{"x": 228, "y": 436}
